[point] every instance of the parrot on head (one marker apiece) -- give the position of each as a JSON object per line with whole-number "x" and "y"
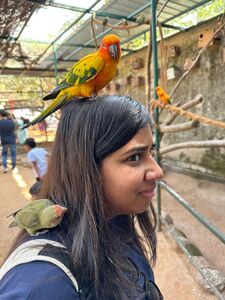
{"x": 37, "y": 215}
{"x": 162, "y": 95}
{"x": 88, "y": 76}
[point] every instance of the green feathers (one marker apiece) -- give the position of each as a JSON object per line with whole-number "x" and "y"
{"x": 55, "y": 105}
{"x": 81, "y": 77}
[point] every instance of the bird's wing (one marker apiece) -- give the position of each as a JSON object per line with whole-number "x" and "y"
{"x": 14, "y": 213}
{"x": 28, "y": 218}
{"x": 40, "y": 202}
{"x": 13, "y": 224}
{"x": 54, "y": 93}
{"x": 85, "y": 69}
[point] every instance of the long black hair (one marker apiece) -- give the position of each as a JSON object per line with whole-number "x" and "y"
{"x": 88, "y": 131}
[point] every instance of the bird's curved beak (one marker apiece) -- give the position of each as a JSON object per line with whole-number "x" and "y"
{"x": 113, "y": 51}
{"x": 64, "y": 209}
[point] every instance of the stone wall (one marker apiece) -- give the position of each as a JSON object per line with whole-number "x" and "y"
{"x": 207, "y": 79}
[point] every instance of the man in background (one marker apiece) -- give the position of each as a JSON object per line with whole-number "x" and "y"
{"x": 8, "y": 140}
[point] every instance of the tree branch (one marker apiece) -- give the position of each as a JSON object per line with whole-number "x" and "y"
{"x": 180, "y": 127}
{"x": 196, "y": 144}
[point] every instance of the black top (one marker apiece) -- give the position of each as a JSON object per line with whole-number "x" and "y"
{"x": 7, "y": 133}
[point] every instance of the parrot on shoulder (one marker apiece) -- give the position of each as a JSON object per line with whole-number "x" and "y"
{"x": 88, "y": 76}
{"x": 162, "y": 95}
{"x": 37, "y": 215}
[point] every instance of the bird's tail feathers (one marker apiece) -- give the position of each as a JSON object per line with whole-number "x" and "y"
{"x": 54, "y": 93}
{"x": 55, "y": 105}
{"x": 13, "y": 224}
{"x": 51, "y": 96}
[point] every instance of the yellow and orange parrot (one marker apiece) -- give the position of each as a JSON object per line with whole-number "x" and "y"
{"x": 162, "y": 95}
{"x": 88, "y": 76}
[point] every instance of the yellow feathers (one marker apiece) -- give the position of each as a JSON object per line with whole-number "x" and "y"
{"x": 86, "y": 78}
{"x": 162, "y": 95}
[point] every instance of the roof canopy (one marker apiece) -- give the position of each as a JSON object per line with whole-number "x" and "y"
{"x": 42, "y": 37}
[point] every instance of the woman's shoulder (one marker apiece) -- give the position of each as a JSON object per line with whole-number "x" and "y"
{"x": 37, "y": 280}
{"x": 141, "y": 263}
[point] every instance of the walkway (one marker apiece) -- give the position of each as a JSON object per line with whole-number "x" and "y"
{"x": 171, "y": 272}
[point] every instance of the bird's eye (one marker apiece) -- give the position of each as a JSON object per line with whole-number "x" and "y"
{"x": 103, "y": 45}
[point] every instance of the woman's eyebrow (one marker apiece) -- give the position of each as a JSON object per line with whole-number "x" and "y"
{"x": 136, "y": 149}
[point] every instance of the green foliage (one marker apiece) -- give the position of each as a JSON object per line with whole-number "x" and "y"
{"x": 202, "y": 13}
{"x": 214, "y": 8}
{"x": 138, "y": 42}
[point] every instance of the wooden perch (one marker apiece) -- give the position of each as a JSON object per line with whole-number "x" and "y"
{"x": 198, "y": 99}
{"x": 118, "y": 27}
{"x": 93, "y": 32}
{"x": 196, "y": 144}
{"x": 180, "y": 127}
{"x": 187, "y": 114}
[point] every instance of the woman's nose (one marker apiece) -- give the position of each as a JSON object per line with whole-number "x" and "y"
{"x": 154, "y": 171}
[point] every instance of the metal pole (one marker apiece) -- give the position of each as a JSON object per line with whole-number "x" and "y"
{"x": 156, "y": 112}
{"x": 70, "y": 26}
{"x": 98, "y": 13}
{"x": 109, "y": 29}
{"x": 55, "y": 64}
{"x": 211, "y": 227}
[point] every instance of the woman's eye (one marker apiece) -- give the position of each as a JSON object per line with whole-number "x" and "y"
{"x": 153, "y": 150}
{"x": 134, "y": 158}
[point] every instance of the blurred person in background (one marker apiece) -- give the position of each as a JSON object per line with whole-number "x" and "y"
{"x": 38, "y": 157}
{"x": 35, "y": 190}
{"x": 22, "y": 132}
{"x": 15, "y": 121}
{"x": 8, "y": 140}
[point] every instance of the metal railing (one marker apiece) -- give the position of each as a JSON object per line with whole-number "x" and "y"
{"x": 202, "y": 219}
{"x": 211, "y": 227}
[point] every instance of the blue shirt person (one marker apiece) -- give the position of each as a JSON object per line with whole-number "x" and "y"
{"x": 8, "y": 140}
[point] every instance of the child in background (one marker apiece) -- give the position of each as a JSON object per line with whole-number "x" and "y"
{"x": 35, "y": 190}
{"x": 38, "y": 157}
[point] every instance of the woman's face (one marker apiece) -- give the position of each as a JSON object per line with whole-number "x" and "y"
{"x": 129, "y": 176}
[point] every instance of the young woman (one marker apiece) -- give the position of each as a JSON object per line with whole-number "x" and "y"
{"x": 103, "y": 171}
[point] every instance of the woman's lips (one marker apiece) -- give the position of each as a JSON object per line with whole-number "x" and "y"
{"x": 148, "y": 194}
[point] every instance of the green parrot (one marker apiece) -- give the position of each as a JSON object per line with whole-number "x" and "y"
{"x": 37, "y": 215}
